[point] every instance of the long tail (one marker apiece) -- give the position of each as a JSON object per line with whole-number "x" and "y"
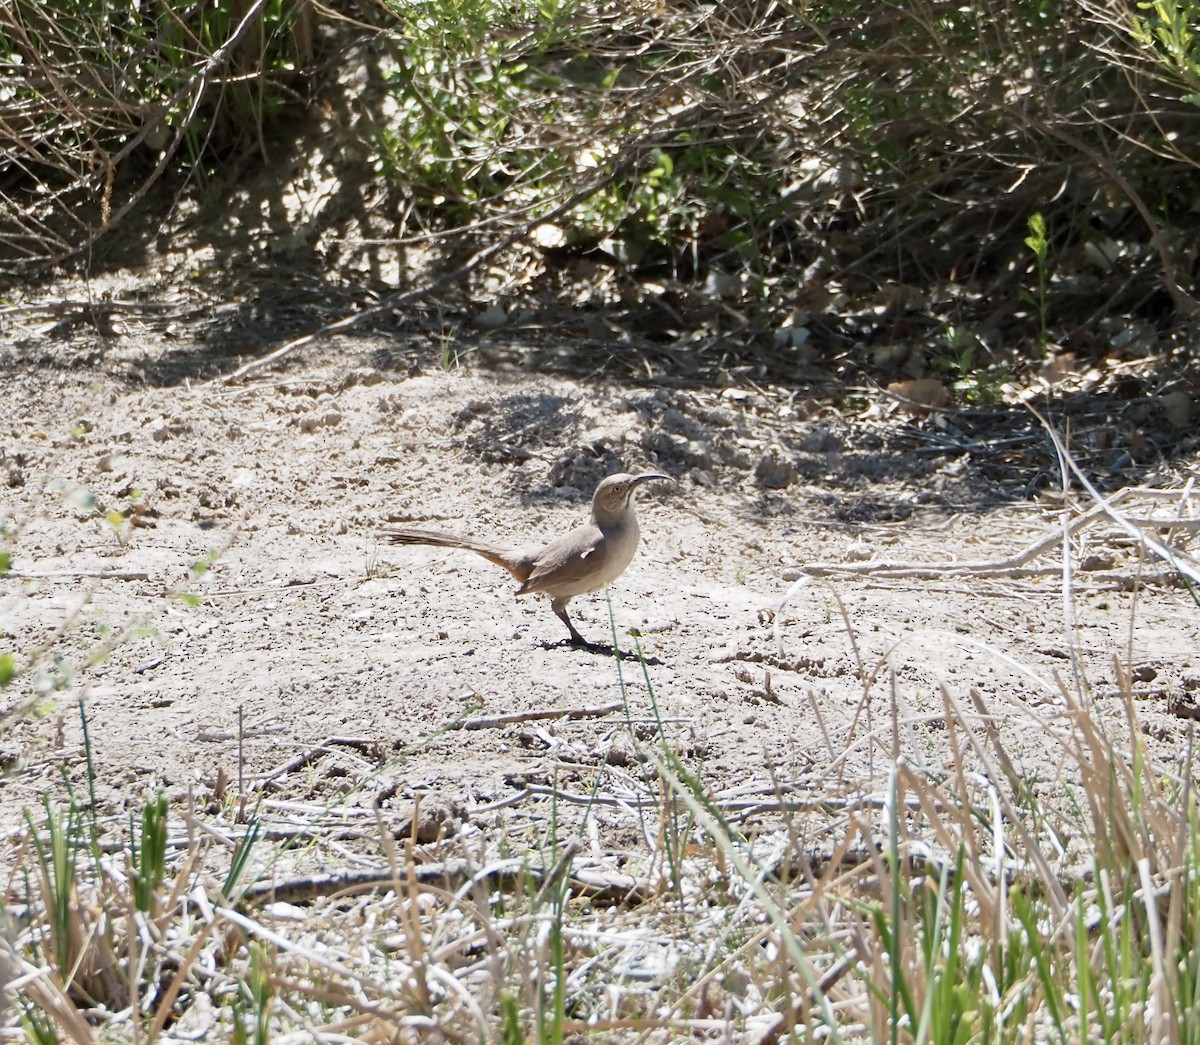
{"x": 492, "y": 552}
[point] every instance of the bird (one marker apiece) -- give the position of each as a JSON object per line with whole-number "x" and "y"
{"x": 585, "y": 559}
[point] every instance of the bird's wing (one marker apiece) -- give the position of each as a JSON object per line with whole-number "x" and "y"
{"x": 567, "y": 565}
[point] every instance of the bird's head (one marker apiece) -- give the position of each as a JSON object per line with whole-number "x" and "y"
{"x": 615, "y": 492}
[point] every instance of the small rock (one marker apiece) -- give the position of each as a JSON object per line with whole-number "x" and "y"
{"x": 774, "y": 470}
{"x": 286, "y": 912}
{"x": 721, "y": 284}
{"x": 889, "y": 355}
{"x": 1177, "y": 406}
{"x": 491, "y": 318}
{"x": 438, "y": 818}
{"x": 619, "y": 756}
{"x": 820, "y": 440}
{"x": 794, "y": 337}
{"x": 548, "y": 236}
{"x": 363, "y": 375}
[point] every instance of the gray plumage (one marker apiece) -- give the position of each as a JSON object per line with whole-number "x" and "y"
{"x": 585, "y": 559}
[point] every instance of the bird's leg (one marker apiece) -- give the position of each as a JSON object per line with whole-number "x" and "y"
{"x": 559, "y": 606}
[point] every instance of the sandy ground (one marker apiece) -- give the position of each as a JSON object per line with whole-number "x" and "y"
{"x": 299, "y": 625}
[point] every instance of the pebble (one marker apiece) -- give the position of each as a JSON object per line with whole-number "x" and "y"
{"x": 774, "y": 470}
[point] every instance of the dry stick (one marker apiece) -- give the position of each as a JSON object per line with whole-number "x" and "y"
{"x": 1014, "y": 567}
{"x": 667, "y": 125}
{"x": 106, "y": 575}
{"x": 456, "y": 874}
{"x": 573, "y": 797}
{"x": 1168, "y": 523}
{"x": 220, "y": 736}
{"x": 311, "y": 754}
{"x": 1106, "y": 506}
{"x": 166, "y": 1004}
{"x": 281, "y": 832}
{"x": 273, "y": 589}
{"x": 473, "y": 262}
{"x": 241, "y": 736}
{"x": 495, "y": 721}
{"x": 45, "y": 992}
{"x": 1183, "y": 301}
{"x": 199, "y": 83}
{"x": 1067, "y": 568}
{"x": 1005, "y": 566}
{"x": 739, "y": 808}
{"x": 66, "y": 305}
{"x": 1095, "y": 577}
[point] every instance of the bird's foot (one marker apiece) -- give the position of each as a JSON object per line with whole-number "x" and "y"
{"x": 580, "y": 643}
{"x": 599, "y": 648}
{"x": 577, "y": 641}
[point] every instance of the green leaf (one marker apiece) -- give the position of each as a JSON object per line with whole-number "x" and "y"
{"x": 8, "y": 669}
{"x": 1036, "y": 240}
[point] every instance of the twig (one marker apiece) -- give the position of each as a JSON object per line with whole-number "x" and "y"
{"x": 664, "y": 129}
{"x": 311, "y": 754}
{"x": 1106, "y": 506}
{"x": 1016, "y": 565}
{"x": 107, "y": 575}
{"x": 241, "y": 760}
{"x": 198, "y": 84}
{"x": 480, "y": 256}
{"x": 271, "y": 589}
{"x": 600, "y": 885}
{"x": 1184, "y": 303}
{"x": 495, "y": 721}
{"x": 261, "y": 728}
{"x": 559, "y": 795}
{"x": 69, "y": 306}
